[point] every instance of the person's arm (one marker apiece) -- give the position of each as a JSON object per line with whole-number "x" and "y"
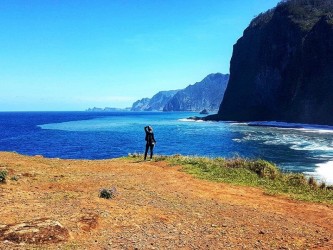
{"x": 154, "y": 138}
{"x": 146, "y": 129}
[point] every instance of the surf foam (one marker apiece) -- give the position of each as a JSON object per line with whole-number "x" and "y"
{"x": 324, "y": 172}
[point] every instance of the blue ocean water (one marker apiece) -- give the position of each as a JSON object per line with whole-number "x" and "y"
{"x": 90, "y": 135}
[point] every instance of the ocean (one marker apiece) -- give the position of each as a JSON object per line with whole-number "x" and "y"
{"x": 103, "y": 135}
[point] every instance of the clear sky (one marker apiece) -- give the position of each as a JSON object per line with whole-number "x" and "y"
{"x": 76, "y": 54}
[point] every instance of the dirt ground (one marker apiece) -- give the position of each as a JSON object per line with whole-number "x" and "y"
{"x": 156, "y": 207}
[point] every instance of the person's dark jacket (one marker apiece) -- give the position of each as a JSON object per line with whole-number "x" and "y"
{"x": 150, "y": 139}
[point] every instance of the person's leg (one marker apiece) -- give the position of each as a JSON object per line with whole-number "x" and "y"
{"x": 151, "y": 151}
{"x": 146, "y": 151}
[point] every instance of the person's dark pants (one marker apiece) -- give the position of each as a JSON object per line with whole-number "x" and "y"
{"x": 151, "y": 147}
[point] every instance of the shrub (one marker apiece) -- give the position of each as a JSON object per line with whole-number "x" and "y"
{"x": 264, "y": 169}
{"x": 107, "y": 193}
{"x": 322, "y": 185}
{"x": 295, "y": 180}
{"x": 161, "y": 158}
{"x": 3, "y": 175}
{"x": 236, "y": 162}
{"x": 312, "y": 182}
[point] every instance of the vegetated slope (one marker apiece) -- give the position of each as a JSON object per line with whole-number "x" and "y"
{"x": 282, "y": 67}
{"x": 206, "y": 94}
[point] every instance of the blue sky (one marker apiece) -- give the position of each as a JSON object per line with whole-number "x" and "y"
{"x": 71, "y": 55}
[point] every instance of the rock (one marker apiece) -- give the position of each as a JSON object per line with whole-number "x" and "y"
{"x": 108, "y": 193}
{"x": 88, "y": 222}
{"x": 194, "y": 118}
{"x": 281, "y": 68}
{"x": 40, "y": 231}
{"x": 204, "y": 112}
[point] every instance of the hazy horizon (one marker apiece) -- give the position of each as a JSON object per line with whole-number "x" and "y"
{"x": 74, "y": 55}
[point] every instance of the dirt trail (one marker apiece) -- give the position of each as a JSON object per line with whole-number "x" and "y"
{"x": 157, "y": 207}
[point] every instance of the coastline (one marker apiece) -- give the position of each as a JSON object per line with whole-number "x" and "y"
{"x": 275, "y": 124}
{"x": 323, "y": 170}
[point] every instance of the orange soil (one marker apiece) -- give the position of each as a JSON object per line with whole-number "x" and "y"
{"x": 157, "y": 207}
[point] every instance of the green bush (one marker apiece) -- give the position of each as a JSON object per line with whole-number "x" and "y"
{"x": 3, "y": 175}
{"x": 295, "y": 180}
{"x": 264, "y": 169}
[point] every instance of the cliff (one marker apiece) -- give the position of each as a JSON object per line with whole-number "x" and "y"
{"x": 140, "y": 105}
{"x": 206, "y": 94}
{"x": 156, "y": 103}
{"x": 282, "y": 67}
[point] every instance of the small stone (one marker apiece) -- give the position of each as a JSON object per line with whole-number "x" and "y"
{"x": 213, "y": 225}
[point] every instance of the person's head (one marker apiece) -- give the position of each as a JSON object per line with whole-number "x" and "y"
{"x": 150, "y": 129}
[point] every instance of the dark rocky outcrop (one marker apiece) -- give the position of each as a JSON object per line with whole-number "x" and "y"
{"x": 206, "y": 94}
{"x": 282, "y": 67}
{"x": 204, "y": 112}
{"x": 156, "y": 103}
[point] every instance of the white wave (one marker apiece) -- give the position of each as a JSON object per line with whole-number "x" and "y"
{"x": 191, "y": 120}
{"x": 324, "y": 172}
{"x": 238, "y": 123}
{"x": 186, "y": 120}
{"x": 313, "y": 147}
{"x": 312, "y": 128}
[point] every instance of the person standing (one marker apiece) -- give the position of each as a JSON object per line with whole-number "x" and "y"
{"x": 150, "y": 141}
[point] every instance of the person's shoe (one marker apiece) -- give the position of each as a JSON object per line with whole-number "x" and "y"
{"x": 150, "y": 159}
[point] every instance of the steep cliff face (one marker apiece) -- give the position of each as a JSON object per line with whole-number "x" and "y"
{"x": 156, "y": 103}
{"x": 140, "y": 105}
{"x": 206, "y": 94}
{"x": 282, "y": 67}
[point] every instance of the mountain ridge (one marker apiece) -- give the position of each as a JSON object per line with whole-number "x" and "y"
{"x": 206, "y": 94}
